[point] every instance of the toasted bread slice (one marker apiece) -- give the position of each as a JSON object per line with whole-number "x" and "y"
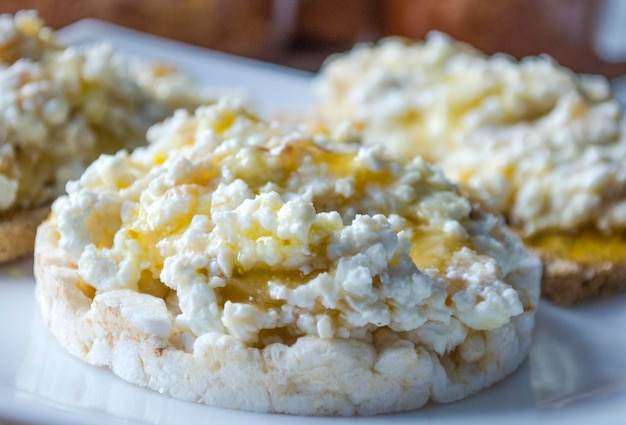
{"x": 580, "y": 266}
{"x": 533, "y": 141}
{"x": 17, "y": 232}
{"x": 566, "y": 282}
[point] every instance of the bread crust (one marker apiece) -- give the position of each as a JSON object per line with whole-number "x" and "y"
{"x": 567, "y": 282}
{"x": 17, "y": 232}
{"x": 131, "y": 333}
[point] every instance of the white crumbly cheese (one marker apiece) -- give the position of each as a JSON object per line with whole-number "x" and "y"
{"x": 268, "y": 233}
{"x": 529, "y": 138}
{"x": 63, "y": 106}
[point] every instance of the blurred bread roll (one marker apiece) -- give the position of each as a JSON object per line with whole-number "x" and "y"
{"x": 235, "y": 26}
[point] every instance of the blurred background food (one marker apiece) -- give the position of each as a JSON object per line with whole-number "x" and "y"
{"x": 585, "y": 35}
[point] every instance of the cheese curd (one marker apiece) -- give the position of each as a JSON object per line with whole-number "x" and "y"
{"x": 63, "y": 106}
{"x": 267, "y": 232}
{"x": 530, "y": 139}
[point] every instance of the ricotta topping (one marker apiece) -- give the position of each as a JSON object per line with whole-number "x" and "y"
{"x": 530, "y": 139}
{"x": 267, "y": 232}
{"x": 63, "y": 106}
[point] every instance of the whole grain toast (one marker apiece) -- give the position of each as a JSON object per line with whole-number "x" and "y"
{"x": 17, "y": 232}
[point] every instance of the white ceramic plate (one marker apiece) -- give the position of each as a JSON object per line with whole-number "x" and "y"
{"x": 575, "y": 374}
